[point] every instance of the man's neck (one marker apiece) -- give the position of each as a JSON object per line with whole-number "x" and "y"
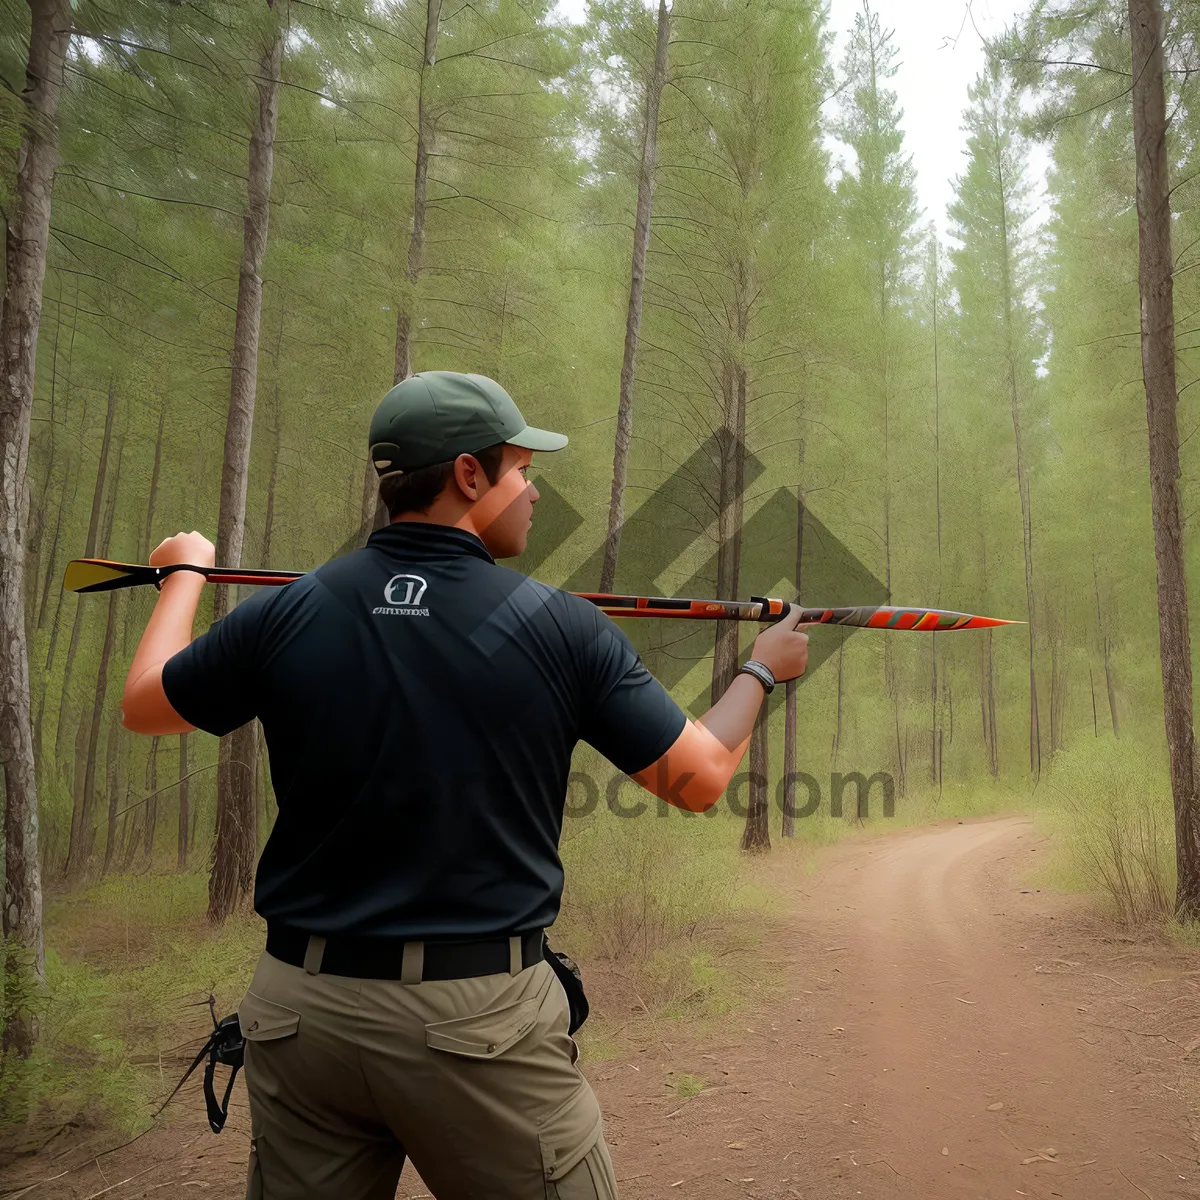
{"x": 439, "y": 515}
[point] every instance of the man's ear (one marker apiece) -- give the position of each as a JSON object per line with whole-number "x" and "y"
{"x": 467, "y": 475}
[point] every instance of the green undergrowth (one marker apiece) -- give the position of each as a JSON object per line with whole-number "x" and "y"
{"x": 130, "y": 966}
{"x": 1106, "y": 805}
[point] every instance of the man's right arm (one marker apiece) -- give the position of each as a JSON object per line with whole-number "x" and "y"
{"x": 697, "y": 768}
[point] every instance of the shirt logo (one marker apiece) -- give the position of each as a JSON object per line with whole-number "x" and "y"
{"x": 403, "y": 594}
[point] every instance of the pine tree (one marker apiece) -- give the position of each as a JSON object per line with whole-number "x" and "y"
{"x": 997, "y": 331}
{"x": 27, "y": 236}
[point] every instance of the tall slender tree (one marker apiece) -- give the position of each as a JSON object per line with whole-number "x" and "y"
{"x": 1155, "y": 279}
{"x": 27, "y": 236}
{"x": 998, "y": 332}
{"x": 877, "y": 196}
{"x": 236, "y": 842}
{"x": 646, "y": 181}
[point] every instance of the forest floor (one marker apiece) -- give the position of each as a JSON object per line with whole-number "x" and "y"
{"x": 942, "y": 1028}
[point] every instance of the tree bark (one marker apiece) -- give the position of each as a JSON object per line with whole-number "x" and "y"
{"x": 46, "y": 588}
{"x": 1105, "y": 648}
{"x": 182, "y": 853}
{"x": 647, "y": 177}
{"x": 150, "y": 815}
{"x": 731, "y": 438}
{"x": 1158, "y": 371}
{"x": 756, "y": 837}
{"x": 81, "y": 812}
{"x": 89, "y": 551}
{"x": 1023, "y": 480}
{"x": 792, "y": 686}
{"x": 25, "y": 243}
{"x": 416, "y": 238}
{"x": 112, "y": 774}
{"x": 935, "y": 737}
{"x": 147, "y": 536}
{"x": 987, "y": 700}
{"x": 788, "y": 825}
{"x": 234, "y": 845}
{"x": 837, "y": 731}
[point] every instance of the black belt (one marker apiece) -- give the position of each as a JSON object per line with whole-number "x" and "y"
{"x": 381, "y": 957}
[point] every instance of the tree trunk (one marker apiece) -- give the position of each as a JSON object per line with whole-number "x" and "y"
{"x": 26, "y": 238}
{"x": 1023, "y": 481}
{"x": 756, "y": 836}
{"x": 112, "y": 786}
{"x": 147, "y": 537}
{"x": 89, "y": 551}
{"x": 1105, "y": 647}
{"x": 182, "y": 854}
{"x": 1158, "y": 371}
{"x": 732, "y": 448}
{"x": 788, "y": 827}
{"x": 987, "y": 700}
{"x": 837, "y": 730}
{"x": 150, "y": 814}
{"x": 35, "y": 556}
{"x": 273, "y": 479}
{"x": 58, "y": 607}
{"x": 792, "y": 686}
{"x": 416, "y": 238}
{"x": 234, "y": 844}
{"x": 935, "y": 737}
{"x": 81, "y": 813}
{"x": 647, "y": 177}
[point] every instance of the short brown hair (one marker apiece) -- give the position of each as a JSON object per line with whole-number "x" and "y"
{"x": 415, "y": 491}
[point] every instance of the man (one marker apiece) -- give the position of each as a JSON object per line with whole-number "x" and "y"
{"x": 420, "y": 705}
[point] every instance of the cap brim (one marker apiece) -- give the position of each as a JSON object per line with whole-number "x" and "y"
{"x": 538, "y": 439}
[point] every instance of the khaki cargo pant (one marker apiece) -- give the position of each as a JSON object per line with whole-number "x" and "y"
{"x": 475, "y": 1080}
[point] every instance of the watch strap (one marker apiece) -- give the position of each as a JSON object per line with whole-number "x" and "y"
{"x": 761, "y": 672}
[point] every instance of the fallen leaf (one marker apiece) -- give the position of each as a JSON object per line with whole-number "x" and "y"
{"x": 995, "y": 1107}
{"x": 945, "y": 1149}
{"x": 737, "y": 1145}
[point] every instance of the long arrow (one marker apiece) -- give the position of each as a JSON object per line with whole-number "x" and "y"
{"x": 101, "y": 575}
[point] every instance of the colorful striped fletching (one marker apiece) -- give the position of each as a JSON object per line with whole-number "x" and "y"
{"x": 101, "y": 575}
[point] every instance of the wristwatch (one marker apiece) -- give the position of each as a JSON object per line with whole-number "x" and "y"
{"x": 760, "y": 671}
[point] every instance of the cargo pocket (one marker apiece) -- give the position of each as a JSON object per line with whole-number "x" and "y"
{"x": 486, "y": 1034}
{"x": 263, "y": 1020}
{"x": 569, "y": 1132}
{"x": 489, "y": 1034}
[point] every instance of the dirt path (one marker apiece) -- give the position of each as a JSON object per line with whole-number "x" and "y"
{"x": 945, "y": 1031}
{"x": 946, "y": 1034}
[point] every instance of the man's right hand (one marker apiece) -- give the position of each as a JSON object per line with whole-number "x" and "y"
{"x": 192, "y": 548}
{"x": 782, "y": 648}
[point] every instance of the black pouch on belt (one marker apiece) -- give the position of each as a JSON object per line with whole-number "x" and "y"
{"x": 572, "y": 981}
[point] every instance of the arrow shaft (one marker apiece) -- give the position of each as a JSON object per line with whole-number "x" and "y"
{"x": 100, "y": 575}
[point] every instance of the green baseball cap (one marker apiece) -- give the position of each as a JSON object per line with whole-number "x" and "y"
{"x": 435, "y": 416}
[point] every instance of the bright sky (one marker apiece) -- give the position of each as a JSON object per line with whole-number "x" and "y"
{"x": 940, "y": 55}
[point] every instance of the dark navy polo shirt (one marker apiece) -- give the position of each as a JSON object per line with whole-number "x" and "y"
{"x": 420, "y": 705}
